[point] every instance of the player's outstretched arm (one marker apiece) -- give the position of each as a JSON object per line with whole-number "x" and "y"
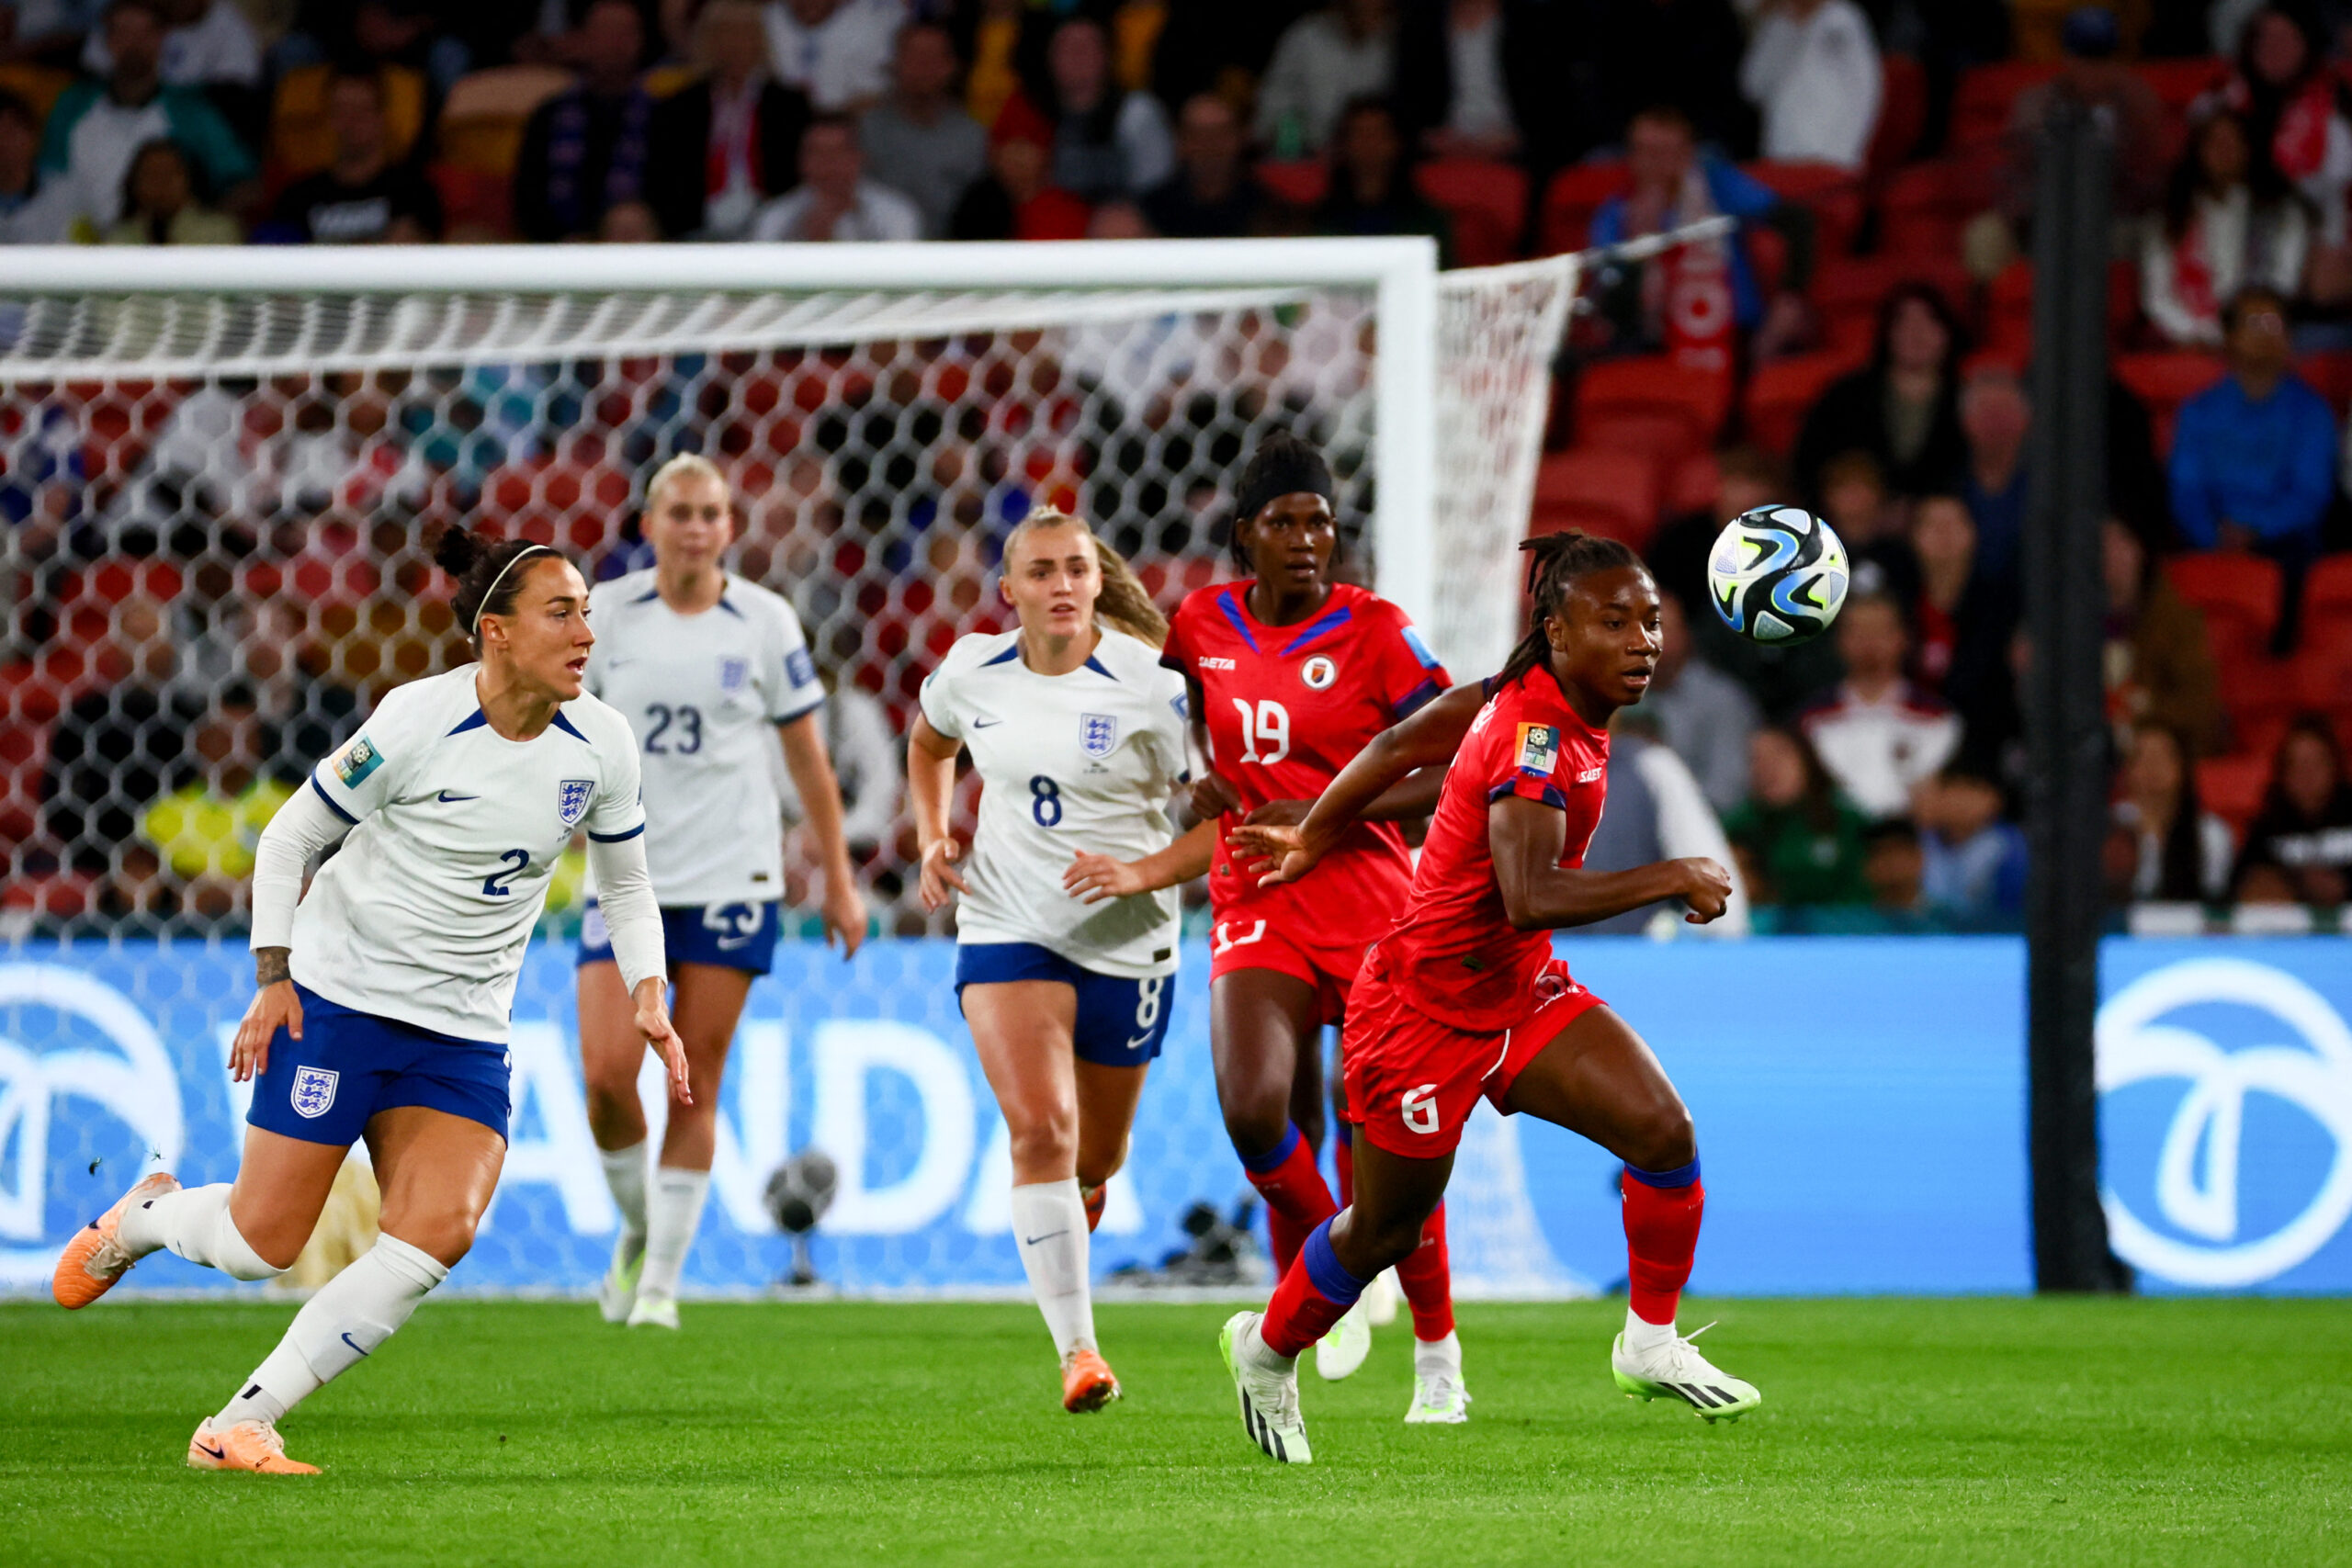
{"x": 1094, "y": 878}
{"x": 1428, "y": 740}
{"x": 930, "y": 789}
{"x": 812, "y": 767}
{"x": 1527, "y": 838}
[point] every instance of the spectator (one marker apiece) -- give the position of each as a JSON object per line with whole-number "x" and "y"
{"x": 1682, "y": 52}
{"x": 206, "y": 829}
{"x": 35, "y": 210}
{"x": 365, "y": 197}
{"x": 1894, "y": 868}
{"x": 1480, "y": 79}
{"x": 834, "y": 199}
{"x": 120, "y": 744}
{"x": 1904, "y": 410}
{"x": 2297, "y": 113}
{"x": 919, "y": 140}
{"x": 1813, "y": 70}
{"x": 1656, "y": 812}
{"x": 836, "y": 52}
{"x": 1371, "y": 185}
{"x": 2165, "y": 845}
{"x": 1650, "y": 306}
{"x": 1324, "y": 62}
{"x": 1212, "y": 195}
{"x": 1963, "y": 616}
{"x": 1107, "y": 141}
{"x": 1877, "y": 733}
{"x": 1705, "y": 715}
{"x": 1855, "y": 504}
{"x": 1002, "y": 44}
{"x": 205, "y": 43}
{"x": 1198, "y": 46}
{"x": 159, "y": 205}
{"x": 1119, "y": 221}
{"x": 630, "y": 223}
{"x": 2254, "y": 455}
{"x": 2298, "y": 850}
{"x": 729, "y": 140}
{"x": 1017, "y": 199}
{"x": 96, "y": 126}
{"x": 2158, "y": 662}
{"x": 1799, "y": 840}
{"x": 1995, "y": 420}
{"x": 1974, "y": 863}
{"x": 588, "y": 147}
{"x": 2229, "y": 220}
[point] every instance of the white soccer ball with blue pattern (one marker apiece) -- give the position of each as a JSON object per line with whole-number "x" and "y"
{"x": 1778, "y": 575}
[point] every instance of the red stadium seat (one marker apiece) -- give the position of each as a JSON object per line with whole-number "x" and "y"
{"x": 1847, "y": 291}
{"x": 2232, "y": 787}
{"x": 1693, "y": 485}
{"x": 1611, "y": 493}
{"x": 1301, "y": 182}
{"x": 1902, "y": 117}
{"x": 1570, "y": 201}
{"x": 2008, "y": 305}
{"x": 2164, "y": 381}
{"x": 473, "y": 199}
{"x": 1780, "y": 393}
{"x": 1985, "y": 100}
{"x": 1834, "y": 195}
{"x": 2238, "y": 594}
{"x": 1652, "y": 384}
{"x": 1927, "y": 205}
{"x": 2330, "y": 375}
{"x": 1485, "y": 199}
{"x": 1667, "y": 435}
{"x": 2180, "y": 83}
{"x": 2328, "y": 595}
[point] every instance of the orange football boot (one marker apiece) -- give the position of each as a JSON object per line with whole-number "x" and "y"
{"x": 92, "y": 1261}
{"x": 1087, "y": 1382}
{"x": 1094, "y": 1197}
{"x": 248, "y": 1445}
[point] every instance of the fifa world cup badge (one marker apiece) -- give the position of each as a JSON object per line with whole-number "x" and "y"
{"x": 356, "y": 761}
{"x": 1539, "y": 748}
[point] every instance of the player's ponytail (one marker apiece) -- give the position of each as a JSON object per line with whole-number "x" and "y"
{"x": 1554, "y": 562}
{"x": 1123, "y": 605}
{"x": 486, "y": 585}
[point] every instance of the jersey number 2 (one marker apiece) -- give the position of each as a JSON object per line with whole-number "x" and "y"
{"x": 1267, "y": 725}
{"x": 514, "y": 862}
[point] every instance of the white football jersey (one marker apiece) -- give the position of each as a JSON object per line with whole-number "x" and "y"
{"x": 424, "y": 913}
{"x": 1085, "y": 760}
{"x": 703, "y": 694}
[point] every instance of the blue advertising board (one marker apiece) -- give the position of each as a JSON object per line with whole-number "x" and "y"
{"x": 1861, "y": 1105}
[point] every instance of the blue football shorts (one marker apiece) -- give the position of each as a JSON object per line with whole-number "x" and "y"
{"x": 1121, "y": 1022}
{"x": 349, "y": 1064}
{"x": 732, "y": 936}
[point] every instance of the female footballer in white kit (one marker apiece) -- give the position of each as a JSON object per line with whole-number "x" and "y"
{"x": 1078, "y": 734}
{"x": 382, "y": 1001}
{"x": 701, "y": 662}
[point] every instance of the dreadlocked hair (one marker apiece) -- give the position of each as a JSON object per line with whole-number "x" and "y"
{"x": 1123, "y": 605}
{"x": 1556, "y": 561}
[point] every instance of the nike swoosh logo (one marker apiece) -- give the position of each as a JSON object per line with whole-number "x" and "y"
{"x": 1140, "y": 1041}
{"x": 353, "y": 1343}
{"x": 216, "y": 1453}
{"x": 1049, "y": 1236}
{"x": 986, "y": 723}
{"x": 449, "y": 799}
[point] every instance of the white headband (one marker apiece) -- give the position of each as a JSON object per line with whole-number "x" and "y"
{"x": 486, "y": 594}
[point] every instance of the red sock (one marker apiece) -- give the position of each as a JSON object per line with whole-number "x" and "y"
{"x": 1296, "y": 1200}
{"x": 1313, "y": 1295}
{"x": 1344, "y": 1155}
{"x": 1428, "y": 1281}
{"x": 1661, "y": 1233}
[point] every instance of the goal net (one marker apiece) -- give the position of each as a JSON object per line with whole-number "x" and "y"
{"x": 218, "y": 473}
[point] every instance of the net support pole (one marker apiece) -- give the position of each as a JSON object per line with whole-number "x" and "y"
{"x": 1405, "y": 438}
{"x": 2064, "y": 708}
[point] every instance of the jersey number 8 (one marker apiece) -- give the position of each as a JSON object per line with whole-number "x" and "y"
{"x": 1267, "y": 725}
{"x": 1045, "y": 801}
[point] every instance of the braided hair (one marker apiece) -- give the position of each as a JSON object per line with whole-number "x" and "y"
{"x": 486, "y": 585}
{"x": 1556, "y": 561}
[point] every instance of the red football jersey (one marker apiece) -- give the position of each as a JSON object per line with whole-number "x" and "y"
{"x": 1287, "y": 707}
{"x": 1453, "y": 951}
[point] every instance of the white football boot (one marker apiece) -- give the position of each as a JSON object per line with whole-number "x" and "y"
{"x": 1342, "y": 1350}
{"x": 1269, "y": 1399}
{"x": 1439, "y": 1397}
{"x": 657, "y": 1312}
{"x": 1675, "y": 1369}
{"x": 616, "y": 1292}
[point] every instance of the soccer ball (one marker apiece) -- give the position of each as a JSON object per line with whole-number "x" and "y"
{"x": 1777, "y": 575}
{"x": 800, "y": 1190}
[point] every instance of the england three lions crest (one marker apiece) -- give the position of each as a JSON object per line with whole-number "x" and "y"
{"x": 571, "y": 798}
{"x": 313, "y": 1093}
{"x": 1098, "y": 733}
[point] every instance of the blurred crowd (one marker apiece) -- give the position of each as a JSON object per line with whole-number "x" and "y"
{"x": 214, "y": 584}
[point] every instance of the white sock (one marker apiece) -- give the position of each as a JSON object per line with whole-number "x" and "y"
{"x": 672, "y": 1211}
{"x": 1255, "y": 1350}
{"x": 1049, "y": 1228}
{"x": 352, "y": 1314}
{"x": 1434, "y": 1357}
{"x": 1641, "y": 1335}
{"x": 194, "y": 1223}
{"x": 625, "y": 1174}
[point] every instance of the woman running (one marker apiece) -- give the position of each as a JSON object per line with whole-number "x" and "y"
{"x": 1290, "y": 675}
{"x": 1463, "y": 997}
{"x": 702, "y": 663}
{"x": 382, "y": 997}
{"x": 1078, "y": 734}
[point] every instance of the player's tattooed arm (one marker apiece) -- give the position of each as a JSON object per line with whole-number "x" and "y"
{"x": 272, "y": 965}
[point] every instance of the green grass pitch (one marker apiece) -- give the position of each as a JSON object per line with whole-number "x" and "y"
{"x": 1988, "y": 1431}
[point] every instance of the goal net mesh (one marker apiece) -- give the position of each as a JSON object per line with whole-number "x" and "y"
{"x": 214, "y": 512}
